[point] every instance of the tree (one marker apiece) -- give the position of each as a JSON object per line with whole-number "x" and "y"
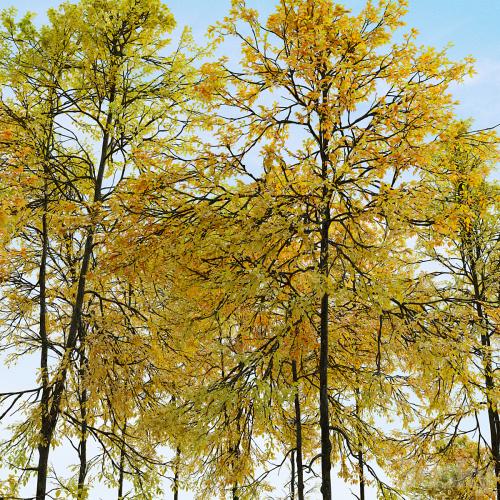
{"x": 32, "y": 62}
{"x": 461, "y": 240}
{"x": 337, "y": 114}
{"x": 456, "y": 473}
{"x": 106, "y": 87}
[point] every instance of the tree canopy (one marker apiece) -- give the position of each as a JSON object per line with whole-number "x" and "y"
{"x": 229, "y": 266}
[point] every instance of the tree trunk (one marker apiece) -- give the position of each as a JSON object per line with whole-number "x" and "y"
{"x": 176, "y": 474}
{"x": 361, "y": 474}
{"x": 493, "y": 416}
{"x": 326, "y": 446}
{"x": 42, "y": 469}
{"x": 298, "y": 437}
{"x": 82, "y": 451}
{"x": 82, "y": 448}
{"x": 121, "y": 476}
{"x": 361, "y": 463}
{"x": 45, "y": 436}
{"x": 235, "y": 492}
{"x": 292, "y": 474}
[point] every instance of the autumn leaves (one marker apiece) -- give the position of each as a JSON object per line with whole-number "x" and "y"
{"x": 230, "y": 259}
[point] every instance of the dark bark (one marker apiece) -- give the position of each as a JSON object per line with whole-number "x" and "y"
{"x": 82, "y": 448}
{"x": 121, "y": 474}
{"x": 493, "y": 416}
{"x": 82, "y": 451}
{"x": 292, "y": 474}
{"x": 298, "y": 437}
{"x": 361, "y": 474}
{"x": 361, "y": 463}
{"x": 42, "y": 470}
{"x": 45, "y": 436}
{"x": 176, "y": 474}
{"x": 326, "y": 446}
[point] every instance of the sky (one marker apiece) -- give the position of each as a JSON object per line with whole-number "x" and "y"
{"x": 472, "y": 28}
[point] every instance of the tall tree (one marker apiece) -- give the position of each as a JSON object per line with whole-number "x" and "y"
{"x": 108, "y": 89}
{"x": 32, "y": 63}
{"x": 337, "y": 113}
{"x": 462, "y": 242}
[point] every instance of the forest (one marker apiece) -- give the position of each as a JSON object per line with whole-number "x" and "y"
{"x": 254, "y": 268}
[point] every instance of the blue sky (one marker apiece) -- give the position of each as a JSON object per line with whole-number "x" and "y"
{"x": 473, "y": 28}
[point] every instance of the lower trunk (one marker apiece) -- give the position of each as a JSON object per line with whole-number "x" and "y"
{"x": 82, "y": 448}
{"x": 176, "y": 475}
{"x": 298, "y": 437}
{"x": 494, "y": 424}
{"x": 493, "y": 416}
{"x": 292, "y": 479}
{"x": 324, "y": 419}
{"x": 361, "y": 463}
{"x": 82, "y": 451}
{"x": 42, "y": 470}
{"x": 46, "y": 431}
{"x": 121, "y": 475}
{"x": 361, "y": 476}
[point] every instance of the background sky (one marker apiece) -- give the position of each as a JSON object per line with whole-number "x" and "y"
{"x": 472, "y": 27}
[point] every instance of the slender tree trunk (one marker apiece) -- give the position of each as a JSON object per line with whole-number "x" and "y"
{"x": 292, "y": 474}
{"x": 121, "y": 475}
{"x": 298, "y": 437}
{"x": 45, "y": 436}
{"x": 236, "y": 451}
{"x": 494, "y": 422}
{"x": 493, "y": 415}
{"x": 82, "y": 448}
{"x": 361, "y": 474}
{"x": 176, "y": 474}
{"x": 326, "y": 446}
{"x": 42, "y": 469}
{"x": 361, "y": 463}
{"x": 46, "y": 431}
